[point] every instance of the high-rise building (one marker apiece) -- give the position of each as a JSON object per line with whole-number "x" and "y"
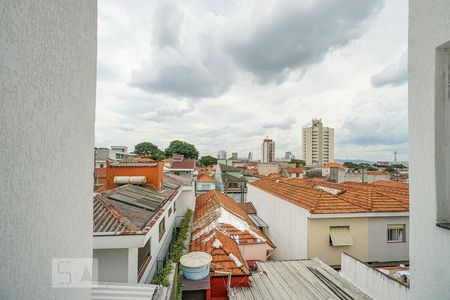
{"x": 288, "y": 156}
{"x": 222, "y": 154}
{"x": 318, "y": 144}
{"x": 234, "y": 156}
{"x": 268, "y": 150}
{"x": 250, "y": 156}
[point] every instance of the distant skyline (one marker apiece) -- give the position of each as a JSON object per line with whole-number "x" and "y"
{"x": 224, "y": 75}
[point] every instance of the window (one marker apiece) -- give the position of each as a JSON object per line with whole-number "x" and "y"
{"x": 442, "y": 133}
{"x": 396, "y": 233}
{"x": 174, "y": 207}
{"x": 170, "y": 212}
{"x": 162, "y": 228}
{"x": 340, "y": 236}
{"x": 144, "y": 257}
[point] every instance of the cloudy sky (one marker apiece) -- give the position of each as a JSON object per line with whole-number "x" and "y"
{"x": 226, "y": 74}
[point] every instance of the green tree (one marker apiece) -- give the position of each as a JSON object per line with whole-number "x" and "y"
{"x": 207, "y": 160}
{"x": 298, "y": 162}
{"x": 398, "y": 166}
{"x": 149, "y": 150}
{"x": 180, "y": 147}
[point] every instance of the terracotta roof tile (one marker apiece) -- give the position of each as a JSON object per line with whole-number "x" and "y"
{"x": 247, "y": 207}
{"x": 330, "y": 198}
{"x": 187, "y": 163}
{"x": 205, "y": 178}
{"x": 215, "y": 230}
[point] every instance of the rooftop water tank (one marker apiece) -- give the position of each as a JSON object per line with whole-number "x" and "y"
{"x": 195, "y": 265}
{"x": 130, "y": 179}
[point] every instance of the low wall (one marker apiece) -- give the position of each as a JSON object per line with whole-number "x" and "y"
{"x": 372, "y": 282}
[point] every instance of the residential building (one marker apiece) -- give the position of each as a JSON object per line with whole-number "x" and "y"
{"x": 204, "y": 183}
{"x": 116, "y": 153}
{"x": 318, "y": 144}
{"x": 268, "y": 168}
{"x": 296, "y": 279}
{"x": 267, "y": 151}
{"x": 47, "y": 111}
{"x": 288, "y": 156}
{"x": 222, "y": 154}
{"x": 429, "y": 128}
{"x": 133, "y": 228}
{"x": 326, "y": 168}
{"x": 223, "y": 229}
{"x": 182, "y": 166}
{"x": 234, "y": 156}
{"x": 340, "y": 174}
{"x": 310, "y": 219}
{"x": 296, "y": 172}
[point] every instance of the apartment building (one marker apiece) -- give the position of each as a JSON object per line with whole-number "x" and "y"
{"x": 318, "y": 144}
{"x": 267, "y": 151}
{"x": 222, "y": 154}
{"x": 308, "y": 219}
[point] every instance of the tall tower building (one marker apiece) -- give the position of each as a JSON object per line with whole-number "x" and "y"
{"x": 318, "y": 144}
{"x": 222, "y": 154}
{"x": 268, "y": 150}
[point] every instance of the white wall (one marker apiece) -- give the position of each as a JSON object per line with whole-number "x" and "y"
{"x": 47, "y": 107}
{"x": 379, "y": 248}
{"x": 185, "y": 201}
{"x": 429, "y": 27}
{"x": 287, "y": 224}
{"x": 112, "y": 265}
{"x": 372, "y": 282}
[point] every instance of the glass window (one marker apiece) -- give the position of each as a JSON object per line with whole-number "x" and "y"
{"x": 162, "y": 228}
{"x": 396, "y": 233}
{"x": 144, "y": 255}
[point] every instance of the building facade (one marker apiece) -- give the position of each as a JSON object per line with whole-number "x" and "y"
{"x": 267, "y": 151}
{"x": 47, "y": 112}
{"x": 429, "y": 114}
{"x": 222, "y": 154}
{"x": 307, "y": 219}
{"x": 318, "y": 144}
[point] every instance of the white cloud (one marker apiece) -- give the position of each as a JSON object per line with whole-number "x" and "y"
{"x": 393, "y": 74}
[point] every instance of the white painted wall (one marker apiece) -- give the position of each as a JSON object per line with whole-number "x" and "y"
{"x": 112, "y": 265}
{"x": 429, "y": 27}
{"x": 372, "y": 282}
{"x": 288, "y": 224}
{"x": 379, "y": 248}
{"x": 47, "y": 107}
{"x": 185, "y": 201}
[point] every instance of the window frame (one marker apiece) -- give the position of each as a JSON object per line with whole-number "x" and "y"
{"x": 162, "y": 228}
{"x": 403, "y": 240}
{"x": 143, "y": 265}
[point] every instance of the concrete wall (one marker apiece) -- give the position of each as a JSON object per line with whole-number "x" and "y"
{"x": 372, "y": 282}
{"x": 319, "y": 239}
{"x": 112, "y": 265}
{"x": 268, "y": 168}
{"x": 379, "y": 248}
{"x": 287, "y": 224}
{"x": 429, "y": 27}
{"x": 254, "y": 251}
{"x": 47, "y": 107}
{"x": 185, "y": 201}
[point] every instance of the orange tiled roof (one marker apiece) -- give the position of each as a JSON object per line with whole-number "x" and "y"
{"x": 394, "y": 184}
{"x": 215, "y": 230}
{"x": 376, "y": 173}
{"x": 333, "y": 165}
{"x": 333, "y": 198}
{"x": 203, "y": 177}
{"x": 247, "y": 207}
{"x": 294, "y": 170}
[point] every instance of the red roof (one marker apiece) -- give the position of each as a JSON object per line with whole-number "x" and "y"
{"x": 187, "y": 164}
{"x": 376, "y": 173}
{"x": 214, "y": 231}
{"x": 333, "y": 198}
{"x": 294, "y": 170}
{"x": 205, "y": 178}
{"x": 333, "y": 165}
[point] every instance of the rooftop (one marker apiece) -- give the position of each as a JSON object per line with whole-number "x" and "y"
{"x": 297, "y": 279}
{"x": 130, "y": 209}
{"x": 332, "y": 198}
{"x": 219, "y": 226}
{"x": 333, "y": 165}
{"x": 247, "y": 207}
{"x": 226, "y": 168}
{"x": 294, "y": 170}
{"x": 184, "y": 164}
{"x": 205, "y": 178}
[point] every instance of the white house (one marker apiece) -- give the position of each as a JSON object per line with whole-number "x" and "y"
{"x": 308, "y": 219}
{"x": 133, "y": 228}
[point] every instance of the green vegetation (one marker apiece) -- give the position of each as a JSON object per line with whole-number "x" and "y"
{"x": 298, "y": 162}
{"x": 149, "y": 150}
{"x": 162, "y": 276}
{"x": 207, "y": 160}
{"x": 180, "y": 147}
